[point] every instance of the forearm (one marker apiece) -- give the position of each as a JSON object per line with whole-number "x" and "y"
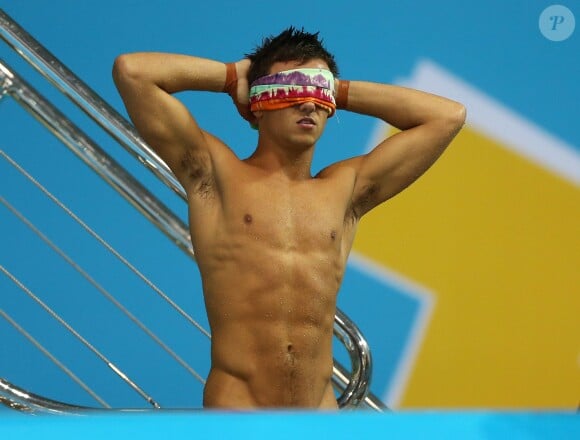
{"x": 171, "y": 72}
{"x": 401, "y": 107}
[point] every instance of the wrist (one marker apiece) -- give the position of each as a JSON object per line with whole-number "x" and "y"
{"x": 231, "y": 81}
{"x": 341, "y": 93}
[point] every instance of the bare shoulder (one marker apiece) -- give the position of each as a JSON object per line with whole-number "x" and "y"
{"x": 340, "y": 178}
{"x": 340, "y": 170}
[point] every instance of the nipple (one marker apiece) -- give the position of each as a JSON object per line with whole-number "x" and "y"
{"x": 247, "y": 219}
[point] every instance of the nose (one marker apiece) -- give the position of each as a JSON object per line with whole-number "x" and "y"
{"x": 307, "y": 107}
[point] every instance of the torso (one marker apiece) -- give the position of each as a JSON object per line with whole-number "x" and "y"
{"x": 272, "y": 253}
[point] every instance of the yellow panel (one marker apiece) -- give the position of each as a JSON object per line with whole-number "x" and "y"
{"x": 496, "y": 238}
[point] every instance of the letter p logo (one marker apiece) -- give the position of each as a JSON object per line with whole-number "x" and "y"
{"x": 557, "y": 23}
{"x": 556, "y": 20}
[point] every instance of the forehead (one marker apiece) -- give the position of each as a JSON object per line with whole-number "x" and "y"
{"x": 279, "y": 66}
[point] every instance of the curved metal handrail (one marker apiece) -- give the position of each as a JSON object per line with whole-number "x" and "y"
{"x": 116, "y": 126}
{"x": 360, "y": 357}
{"x": 19, "y": 399}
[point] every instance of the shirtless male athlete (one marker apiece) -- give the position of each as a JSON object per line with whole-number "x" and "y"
{"x": 271, "y": 240}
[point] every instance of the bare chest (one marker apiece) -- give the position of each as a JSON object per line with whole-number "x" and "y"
{"x": 291, "y": 216}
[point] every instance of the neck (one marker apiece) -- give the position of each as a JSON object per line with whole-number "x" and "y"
{"x": 291, "y": 162}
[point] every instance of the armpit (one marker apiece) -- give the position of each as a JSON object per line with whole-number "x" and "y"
{"x": 366, "y": 199}
{"x": 196, "y": 166}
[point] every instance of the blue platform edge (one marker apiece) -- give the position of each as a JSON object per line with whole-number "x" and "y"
{"x": 294, "y": 425}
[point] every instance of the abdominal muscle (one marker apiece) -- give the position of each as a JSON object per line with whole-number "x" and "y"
{"x": 294, "y": 385}
{"x": 271, "y": 334}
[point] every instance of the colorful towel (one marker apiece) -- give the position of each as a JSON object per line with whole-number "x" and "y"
{"x": 292, "y": 87}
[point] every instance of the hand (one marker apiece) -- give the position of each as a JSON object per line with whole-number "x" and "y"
{"x": 242, "y": 98}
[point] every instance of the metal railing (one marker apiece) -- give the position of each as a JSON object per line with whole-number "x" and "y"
{"x": 353, "y": 386}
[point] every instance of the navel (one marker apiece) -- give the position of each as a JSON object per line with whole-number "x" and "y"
{"x": 333, "y": 235}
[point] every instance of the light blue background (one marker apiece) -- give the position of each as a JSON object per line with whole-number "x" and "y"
{"x": 290, "y": 425}
{"x": 496, "y": 46}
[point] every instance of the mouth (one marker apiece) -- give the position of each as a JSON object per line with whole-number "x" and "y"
{"x": 306, "y": 122}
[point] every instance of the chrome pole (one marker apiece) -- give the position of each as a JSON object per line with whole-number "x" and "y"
{"x": 96, "y": 158}
{"x": 85, "y": 98}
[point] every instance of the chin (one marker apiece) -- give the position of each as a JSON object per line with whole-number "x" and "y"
{"x": 304, "y": 141}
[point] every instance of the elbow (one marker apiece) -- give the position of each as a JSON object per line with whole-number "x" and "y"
{"x": 124, "y": 68}
{"x": 454, "y": 118}
{"x": 458, "y": 115}
{"x": 451, "y": 122}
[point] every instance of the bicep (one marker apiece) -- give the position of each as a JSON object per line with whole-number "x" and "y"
{"x": 397, "y": 162}
{"x": 163, "y": 122}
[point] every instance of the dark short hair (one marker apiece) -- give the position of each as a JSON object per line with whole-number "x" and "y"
{"x": 290, "y": 45}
